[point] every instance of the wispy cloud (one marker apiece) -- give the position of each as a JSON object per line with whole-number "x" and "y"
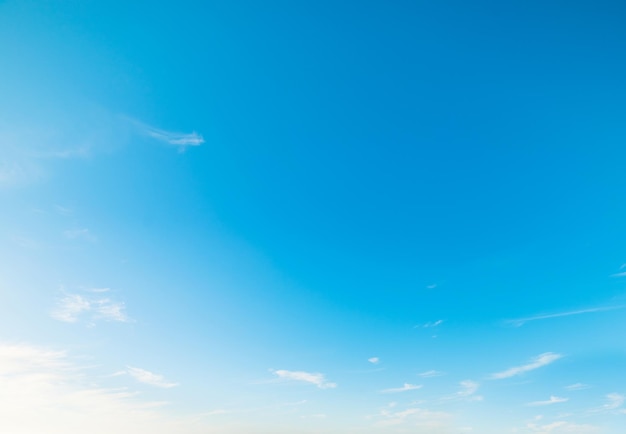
{"x": 374, "y": 360}
{"x": 405, "y": 388}
{"x": 430, "y": 421}
{"x": 150, "y": 378}
{"x": 182, "y": 140}
{"x": 80, "y": 234}
{"x": 614, "y": 401}
{"x": 431, "y": 373}
{"x": 72, "y": 308}
{"x": 429, "y": 324}
{"x": 622, "y": 274}
{"x": 521, "y": 321}
{"x": 317, "y": 379}
{"x": 66, "y": 399}
{"x": 563, "y": 427}
{"x": 536, "y": 363}
{"x": 552, "y": 400}
{"x": 466, "y": 392}
{"x": 577, "y": 386}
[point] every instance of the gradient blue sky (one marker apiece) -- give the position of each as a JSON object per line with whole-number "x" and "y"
{"x": 312, "y": 217}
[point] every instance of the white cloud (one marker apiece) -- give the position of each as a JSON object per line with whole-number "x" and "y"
{"x": 43, "y": 391}
{"x": 149, "y": 378}
{"x": 552, "y": 400}
{"x": 623, "y": 274}
{"x": 538, "y": 362}
{"x": 80, "y": 234}
{"x": 521, "y": 321}
{"x": 431, "y": 421}
{"x": 563, "y": 427}
{"x": 430, "y": 324}
{"x": 614, "y": 401}
{"x": 182, "y": 140}
{"x": 431, "y": 373}
{"x": 405, "y": 388}
{"x": 467, "y": 392}
{"x": 374, "y": 360}
{"x": 307, "y": 377}
{"x": 73, "y": 307}
{"x": 577, "y": 386}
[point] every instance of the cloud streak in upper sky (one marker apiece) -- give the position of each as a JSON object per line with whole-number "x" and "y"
{"x": 307, "y": 377}
{"x": 521, "y": 321}
{"x": 536, "y": 363}
{"x": 182, "y": 140}
{"x": 405, "y": 388}
{"x": 150, "y": 378}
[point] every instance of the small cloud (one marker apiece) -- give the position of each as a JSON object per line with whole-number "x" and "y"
{"x": 433, "y": 286}
{"x": 577, "y": 386}
{"x": 150, "y": 378}
{"x": 431, "y": 373}
{"x": 429, "y": 324}
{"x": 614, "y": 401}
{"x": 552, "y": 400}
{"x": 405, "y": 388}
{"x": 374, "y": 360}
{"x": 64, "y": 211}
{"x": 623, "y": 274}
{"x": 182, "y": 140}
{"x": 80, "y": 234}
{"x": 307, "y": 377}
{"x": 467, "y": 392}
{"x": 538, "y": 362}
{"x": 71, "y": 308}
{"x": 99, "y": 290}
{"x": 564, "y": 427}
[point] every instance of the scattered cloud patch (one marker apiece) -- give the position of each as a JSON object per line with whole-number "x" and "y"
{"x": 536, "y": 363}
{"x": 66, "y": 399}
{"x": 405, "y": 388}
{"x": 73, "y": 308}
{"x": 374, "y": 360}
{"x": 150, "y": 378}
{"x": 316, "y": 379}
{"x": 614, "y": 401}
{"x": 552, "y": 400}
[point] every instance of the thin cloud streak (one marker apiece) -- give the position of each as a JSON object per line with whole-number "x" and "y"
{"x": 536, "y": 363}
{"x": 405, "y": 388}
{"x": 150, "y": 378}
{"x": 521, "y": 321}
{"x": 317, "y": 379}
{"x": 552, "y": 400}
{"x": 182, "y": 140}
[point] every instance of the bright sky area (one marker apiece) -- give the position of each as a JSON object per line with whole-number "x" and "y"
{"x": 298, "y": 217}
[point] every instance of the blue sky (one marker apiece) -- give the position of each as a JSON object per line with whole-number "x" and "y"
{"x": 312, "y": 217}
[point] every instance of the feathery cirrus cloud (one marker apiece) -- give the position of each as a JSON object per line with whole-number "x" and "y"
{"x": 314, "y": 378}
{"x": 536, "y": 363}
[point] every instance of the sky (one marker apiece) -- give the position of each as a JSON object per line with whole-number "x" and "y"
{"x": 243, "y": 217}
